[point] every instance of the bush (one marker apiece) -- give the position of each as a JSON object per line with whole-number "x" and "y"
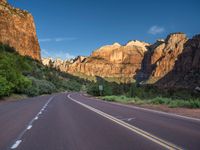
{"x": 32, "y": 91}
{"x": 5, "y": 87}
{"x": 70, "y": 85}
{"x": 39, "y": 87}
{"x": 23, "y": 84}
{"x": 93, "y": 89}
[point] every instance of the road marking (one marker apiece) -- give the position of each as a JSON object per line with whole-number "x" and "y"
{"x": 19, "y": 138}
{"x": 130, "y": 119}
{"x": 127, "y": 119}
{"x": 146, "y": 109}
{"x": 157, "y": 111}
{"x": 134, "y": 129}
{"x": 16, "y": 144}
{"x": 29, "y": 127}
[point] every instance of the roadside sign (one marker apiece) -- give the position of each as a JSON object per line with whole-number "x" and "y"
{"x": 100, "y": 87}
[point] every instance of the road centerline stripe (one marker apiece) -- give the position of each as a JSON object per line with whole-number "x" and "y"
{"x": 19, "y": 138}
{"x": 16, "y": 144}
{"x": 29, "y": 127}
{"x": 134, "y": 129}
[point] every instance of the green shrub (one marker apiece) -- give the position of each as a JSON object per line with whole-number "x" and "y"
{"x": 23, "y": 84}
{"x": 93, "y": 89}
{"x": 70, "y": 85}
{"x": 39, "y": 87}
{"x": 5, "y": 87}
{"x": 33, "y": 90}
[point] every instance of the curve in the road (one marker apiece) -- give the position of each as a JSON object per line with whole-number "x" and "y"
{"x": 141, "y": 132}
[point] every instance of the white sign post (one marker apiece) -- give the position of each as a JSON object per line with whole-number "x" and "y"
{"x": 101, "y": 89}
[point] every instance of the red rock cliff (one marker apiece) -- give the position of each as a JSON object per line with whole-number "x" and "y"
{"x": 173, "y": 62}
{"x": 112, "y": 61}
{"x": 161, "y": 57}
{"x": 186, "y": 72}
{"x": 17, "y": 29}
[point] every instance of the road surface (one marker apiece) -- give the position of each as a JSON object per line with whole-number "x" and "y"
{"x": 72, "y": 121}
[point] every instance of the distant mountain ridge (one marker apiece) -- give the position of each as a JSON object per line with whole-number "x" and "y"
{"x": 141, "y": 62}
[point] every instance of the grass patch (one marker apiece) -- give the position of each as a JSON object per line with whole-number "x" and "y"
{"x": 172, "y": 103}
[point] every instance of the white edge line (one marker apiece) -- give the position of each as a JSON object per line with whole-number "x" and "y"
{"x": 158, "y": 112}
{"x": 150, "y": 110}
{"x": 16, "y": 144}
{"x": 141, "y": 132}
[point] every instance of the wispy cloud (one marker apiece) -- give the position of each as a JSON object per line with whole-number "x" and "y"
{"x": 156, "y": 30}
{"x": 63, "y": 55}
{"x": 45, "y": 53}
{"x": 58, "y": 54}
{"x": 57, "y": 39}
{"x": 45, "y": 40}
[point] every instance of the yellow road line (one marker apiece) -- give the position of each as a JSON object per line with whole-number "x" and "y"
{"x": 141, "y": 132}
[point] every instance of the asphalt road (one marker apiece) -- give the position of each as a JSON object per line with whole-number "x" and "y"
{"x": 72, "y": 121}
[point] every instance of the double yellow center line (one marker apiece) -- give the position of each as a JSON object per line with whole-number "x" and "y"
{"x": 141, "y": 132}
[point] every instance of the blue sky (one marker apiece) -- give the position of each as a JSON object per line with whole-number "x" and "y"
{"x": 68, "y": 28}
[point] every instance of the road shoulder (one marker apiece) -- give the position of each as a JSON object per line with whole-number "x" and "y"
{"x": 185, "y": 112}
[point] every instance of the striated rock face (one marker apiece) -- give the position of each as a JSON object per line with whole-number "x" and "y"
{"x": 161, "y": 57}
{"x": 17, "y": 29}
{"x": 111, "y": 61}
{"x": 186, "y": 72}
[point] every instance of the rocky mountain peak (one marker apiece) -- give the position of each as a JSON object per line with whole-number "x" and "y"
{"x": 116, "y": 44}
{"x": 109, "y": 47}
{"x": 144, "y": 46}
{"x": 137, "y": 43}
{"x": 176, "y": 37}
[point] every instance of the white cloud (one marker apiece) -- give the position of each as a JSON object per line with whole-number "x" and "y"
{"x": 69, "y": 56}
{"x": 57, "y": 39}
{"x": 45, "y": 53}
{"x": 156, "y": 30}
{"x": 58, "y": 54}
{"x": 45, "y": 40}
{"x": 65, "y": 39}
{"x": 63, "y": 55}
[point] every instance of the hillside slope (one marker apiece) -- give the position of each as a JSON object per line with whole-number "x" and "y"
{"x": 23, "y": 75}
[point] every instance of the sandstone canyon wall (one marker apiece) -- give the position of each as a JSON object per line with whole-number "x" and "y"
{"x": 111, "y": 61}
{"x": 161, "y": 57}
{"x": 165, "y": 63}
{"x": 17, "y": 29}
{"x": 186, "y": 71}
